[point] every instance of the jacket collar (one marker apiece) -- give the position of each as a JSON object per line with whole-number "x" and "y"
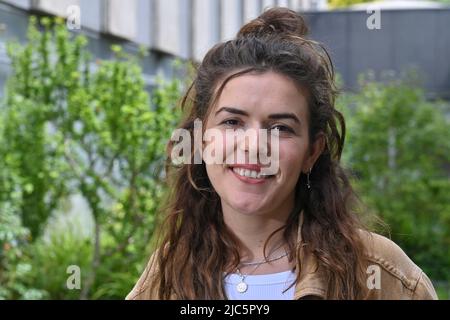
{"x": 312, "y": 281}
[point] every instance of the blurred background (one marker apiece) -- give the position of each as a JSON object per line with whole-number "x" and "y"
{"x": 88, "y": 99}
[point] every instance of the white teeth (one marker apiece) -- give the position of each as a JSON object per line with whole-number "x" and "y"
{"x": 248, "y": 173}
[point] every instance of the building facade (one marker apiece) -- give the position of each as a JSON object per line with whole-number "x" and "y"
{"x": 170, "y": 28}
{"x": 188, "y": 28}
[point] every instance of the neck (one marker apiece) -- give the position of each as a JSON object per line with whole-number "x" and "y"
{"x": 253, "y": 231}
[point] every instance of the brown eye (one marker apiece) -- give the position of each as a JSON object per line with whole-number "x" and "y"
{"x": 281, "y": 128}
{"x": 230, "y": 122}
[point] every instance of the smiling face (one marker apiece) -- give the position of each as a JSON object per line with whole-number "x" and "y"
{"x": 262, "y": 101}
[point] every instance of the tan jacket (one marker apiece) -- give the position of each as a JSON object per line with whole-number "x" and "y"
{"x": 391, "y": 275}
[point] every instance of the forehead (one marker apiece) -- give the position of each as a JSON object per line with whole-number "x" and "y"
{"x": 266, "y": 92}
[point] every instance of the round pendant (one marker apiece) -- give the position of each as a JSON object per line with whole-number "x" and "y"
{"x": 241, "y": 287}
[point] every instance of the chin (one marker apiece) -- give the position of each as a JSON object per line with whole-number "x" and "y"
{"x": 247, "y": 207}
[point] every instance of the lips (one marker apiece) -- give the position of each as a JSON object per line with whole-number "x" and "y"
{"x": 249, "y": 173}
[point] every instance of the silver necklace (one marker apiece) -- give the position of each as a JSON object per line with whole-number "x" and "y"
{"x": 265, "y": 261}
{"x": 242, "y": 286}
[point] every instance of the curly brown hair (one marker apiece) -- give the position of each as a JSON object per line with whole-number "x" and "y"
{"x": 198, "y": 246}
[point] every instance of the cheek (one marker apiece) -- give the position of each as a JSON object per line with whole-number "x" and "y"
{"x": 214, "y": 175}
{"x": 292, "y": 155}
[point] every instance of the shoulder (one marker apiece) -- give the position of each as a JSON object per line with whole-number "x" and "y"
{"x": 399, "y": 276}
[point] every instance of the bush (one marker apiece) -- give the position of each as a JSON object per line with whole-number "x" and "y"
{"x": 12, "y": 238}
{"x": 44, "y": 266}
{"x": 399, "y": 149}
{"x": 70, "y": 128}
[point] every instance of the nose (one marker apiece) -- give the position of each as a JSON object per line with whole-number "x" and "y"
{"x": 251, "y": 143}
{"x": 248, "y": 140}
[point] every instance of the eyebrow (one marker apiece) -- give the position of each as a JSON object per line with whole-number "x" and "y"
{"x": 285, "y": 115}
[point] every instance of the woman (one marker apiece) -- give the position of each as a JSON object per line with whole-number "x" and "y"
{"x": 235, "y": 232}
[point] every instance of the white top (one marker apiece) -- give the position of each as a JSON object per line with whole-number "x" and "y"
{"x": 262, "y": 287}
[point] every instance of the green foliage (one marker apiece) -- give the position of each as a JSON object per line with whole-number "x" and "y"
{"x": 72, "y": 126}
{"x": 12, "y": 237}
{"x": 44, "y": 266}
{"x": 345, "y": 3}
{"x": 399, "y": 148}
{"x": 35, "y": 97}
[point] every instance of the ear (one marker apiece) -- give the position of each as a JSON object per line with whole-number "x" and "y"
{"x": 315, "y": 150}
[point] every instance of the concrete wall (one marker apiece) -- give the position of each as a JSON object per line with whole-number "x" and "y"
{"x": 189, "y": 28}
{"x": 14, "y": 24}
{"x": 121, "y": 18}
{"x": 185, "y": 28}
{"x": 58, "y": 8}
{"x": 232, "y": 18}
{"x": 407, "y": 39}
